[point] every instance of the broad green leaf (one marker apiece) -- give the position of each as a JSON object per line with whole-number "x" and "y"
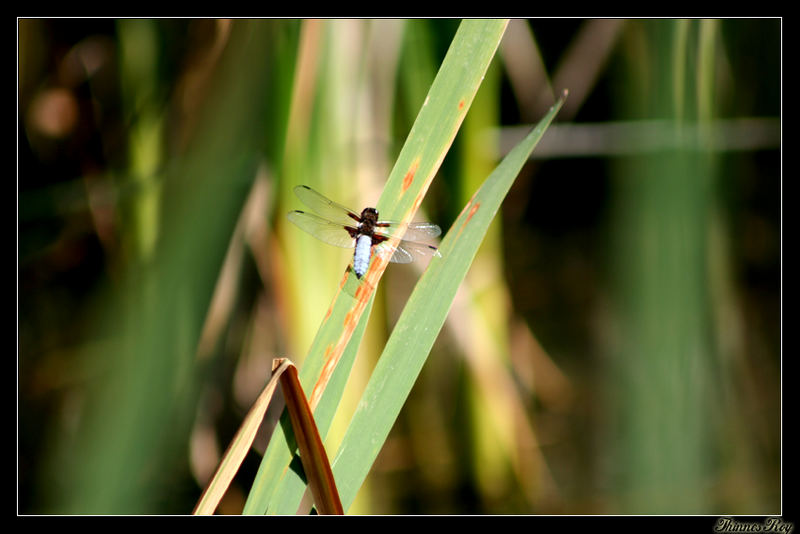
{"x": 278, "y": 487}
{"x": 421, "y": 320}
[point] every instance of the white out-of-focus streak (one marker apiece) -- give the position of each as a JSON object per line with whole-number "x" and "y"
{"x": 624, "y": 138}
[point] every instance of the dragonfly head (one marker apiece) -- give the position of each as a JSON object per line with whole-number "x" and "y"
{"x": 369, "y": 214}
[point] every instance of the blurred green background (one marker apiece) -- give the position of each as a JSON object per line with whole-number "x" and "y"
{"x": 616, "y": 348}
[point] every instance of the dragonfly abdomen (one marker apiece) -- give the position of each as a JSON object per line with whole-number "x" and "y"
{"x": 362, "y": 255}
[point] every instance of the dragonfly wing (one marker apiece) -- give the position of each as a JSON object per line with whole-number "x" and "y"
{"x": 326, "y": 207}
{"x": 415, "y": 231}
{"x": 332, "y": 233}
{"x": 406, "y": 251}
{"x": 422, "y": 230}
{"x": 401, "y": 255}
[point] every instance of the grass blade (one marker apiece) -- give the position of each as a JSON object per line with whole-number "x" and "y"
{"x": 278, "y": 489}
{"x": 239, "y": 446}
{"x": 421, "y": 321}
{"x": 313, "y": 455}
{"x": 312, "y": 452}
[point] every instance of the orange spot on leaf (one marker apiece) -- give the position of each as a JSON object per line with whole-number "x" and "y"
{"x": 360, "y": 290}
{"x": 460, "y": 104}
{"x": 409, "y": 177}
{"x": 348, "y": 319}
{"x": 472, "y": 211}
{"x": 473, "y": 208}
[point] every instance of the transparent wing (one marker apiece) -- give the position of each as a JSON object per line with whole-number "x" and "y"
{"x": 326, "y": 207}
{"x": 324, "y": 230}
{"x": 414, "y": 231}
{"x": 406, "y": 251}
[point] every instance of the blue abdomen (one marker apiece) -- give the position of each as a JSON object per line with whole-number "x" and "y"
{"x": 362, "y": 255}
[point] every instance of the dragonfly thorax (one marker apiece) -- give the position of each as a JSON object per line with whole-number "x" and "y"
{"x": 369, "y": 219}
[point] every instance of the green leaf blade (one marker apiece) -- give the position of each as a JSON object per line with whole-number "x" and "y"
{"x": 421, "y": 321}
{"x": 278, "y": 489}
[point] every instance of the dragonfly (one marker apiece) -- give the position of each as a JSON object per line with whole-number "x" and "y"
{"x": 342, "y": 227}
